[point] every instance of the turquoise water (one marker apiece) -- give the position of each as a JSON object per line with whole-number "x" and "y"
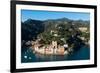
{"x": 29, "y": 56}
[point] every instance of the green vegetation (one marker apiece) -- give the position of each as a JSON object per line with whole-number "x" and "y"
{"x": 61, "y": 30}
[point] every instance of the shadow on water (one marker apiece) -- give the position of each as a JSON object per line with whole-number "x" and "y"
{"x": 81, "y": 54}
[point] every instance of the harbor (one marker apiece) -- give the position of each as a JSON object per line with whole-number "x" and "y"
{"x": 52, "y": 49}
{"x": 30, "y": 56}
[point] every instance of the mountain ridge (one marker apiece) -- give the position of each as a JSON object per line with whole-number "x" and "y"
{"x": 32, "y": 27}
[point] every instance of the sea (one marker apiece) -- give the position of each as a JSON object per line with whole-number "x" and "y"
{"x": 28, "y": 55}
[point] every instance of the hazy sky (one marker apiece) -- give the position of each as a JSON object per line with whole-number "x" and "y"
{"x": 44, "y": 15}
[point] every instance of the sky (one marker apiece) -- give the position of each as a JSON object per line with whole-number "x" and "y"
{"x": 45, "y": 15}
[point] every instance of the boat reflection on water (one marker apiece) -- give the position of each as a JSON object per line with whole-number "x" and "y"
{"x": 30, "y": 56}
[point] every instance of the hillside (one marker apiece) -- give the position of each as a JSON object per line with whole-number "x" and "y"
{"x": 62, "y": 30}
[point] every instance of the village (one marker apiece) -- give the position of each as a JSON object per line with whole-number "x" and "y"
{"x": 54, "y": 48}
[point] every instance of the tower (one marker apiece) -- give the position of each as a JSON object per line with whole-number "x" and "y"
{"x": 54, "y": 44}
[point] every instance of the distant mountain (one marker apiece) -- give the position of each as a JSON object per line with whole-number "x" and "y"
{"x": 32, "y": 28}
{"x": 31, "y": 21}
